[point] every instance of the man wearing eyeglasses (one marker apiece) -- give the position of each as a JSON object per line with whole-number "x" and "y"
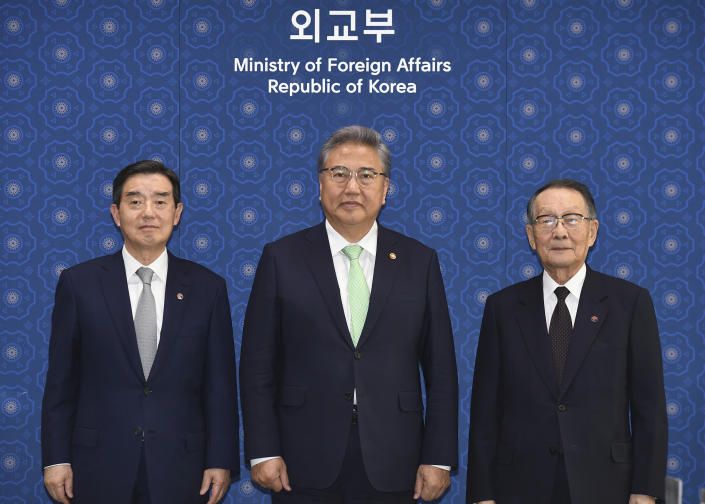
{"x": 339, "y": 318}
{"x": 568, "y": 402}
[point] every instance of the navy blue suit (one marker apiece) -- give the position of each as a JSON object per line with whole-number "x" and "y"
{"x": 299, "y": 368}
{"x": 99, "y": 413}
{"x": 608, "y": 420}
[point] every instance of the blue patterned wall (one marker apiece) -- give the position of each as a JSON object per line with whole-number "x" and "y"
{"x": 606, "y": 91}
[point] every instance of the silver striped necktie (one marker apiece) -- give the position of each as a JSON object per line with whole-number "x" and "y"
{"x": 146, "y": 322}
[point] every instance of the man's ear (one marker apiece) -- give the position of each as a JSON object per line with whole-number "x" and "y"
{"x": 530, "y": 236}
{"x": 386, "y": 188}
{"x": 115, "y": 212}
{"x": 177, "y": 213}
{"x": 594, "y": 226}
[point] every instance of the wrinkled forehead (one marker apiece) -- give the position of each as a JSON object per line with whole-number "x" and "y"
{"x": 354, "y": 155}
{"x": 560, "y": 200}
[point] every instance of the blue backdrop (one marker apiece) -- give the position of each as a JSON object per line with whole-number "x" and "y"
{"x": 605, "y": 91}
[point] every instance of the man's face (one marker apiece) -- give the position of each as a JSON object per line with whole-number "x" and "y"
{"x": 351, "y": 208}
{"x": 559, "y": 249}
{"x": 147, "y": 213}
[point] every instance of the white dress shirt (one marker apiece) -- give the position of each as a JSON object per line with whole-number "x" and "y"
{"x": 341, "y": 263}
{"x": 134, "y": 285}
{"x": 550, "y": 300}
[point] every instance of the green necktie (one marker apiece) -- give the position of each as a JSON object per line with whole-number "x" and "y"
{"x": 358, "y": 292}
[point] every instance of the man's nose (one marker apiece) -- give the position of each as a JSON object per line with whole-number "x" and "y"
{"x": 560, "y": 229}
{"x": 148, "y": 210}
{"x": 352, "y": 184}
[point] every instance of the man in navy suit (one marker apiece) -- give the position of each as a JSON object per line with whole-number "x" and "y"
{"x": 140, "y": 400}
{"x": 568, "y": 402}
{"x": 340, "y": 317}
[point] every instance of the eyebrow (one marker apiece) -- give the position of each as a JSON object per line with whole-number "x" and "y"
{"x": 138, "y": 193}
{"x": 360, "y": 168}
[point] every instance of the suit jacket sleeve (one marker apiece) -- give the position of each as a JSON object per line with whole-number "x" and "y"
{"x": 61, "y": 389}
{"x": 484, "y": 410}
{"x": 257, "y": 363}
{"x": 647, "y": 401}
{"x": 220, "y": 394}
{"x": 440, "y": 443}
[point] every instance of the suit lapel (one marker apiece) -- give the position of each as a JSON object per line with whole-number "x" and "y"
{"x": 113, "y": 283}
{"x": 384, "y": 275}
{"x": 592, "y": 312}
{"x": 320, "y": 262}
{"x": 532, "y": 321}
{"x": 176, "y": 302}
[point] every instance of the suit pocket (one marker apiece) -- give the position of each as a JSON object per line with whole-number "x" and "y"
{"x": 85, "y": 436}
{"x": 292, "y": 396}
{"x": 195, "y": 441}
{"x": 622, "y": 452}
{"x": 410, "y": 401}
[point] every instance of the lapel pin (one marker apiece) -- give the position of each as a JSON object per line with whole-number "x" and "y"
{"x": 179, "y": 296}
{"x": 392, "y": 256}
{"x": 594, "y": 319}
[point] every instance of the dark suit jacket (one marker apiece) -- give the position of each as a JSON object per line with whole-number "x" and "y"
{"x": 98, "y": 412}
{"x": 298, "y": 366}
{"x": 520, "y": 421}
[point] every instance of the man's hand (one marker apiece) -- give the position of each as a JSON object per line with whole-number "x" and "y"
{"x": 271, "y": 474}
{"x": 431, "y": 482}
{"x": 219, "y": 479}
{"x": 641, "y": 499}
{"x": 59, "y": 482}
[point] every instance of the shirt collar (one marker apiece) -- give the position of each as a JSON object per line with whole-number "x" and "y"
{"x": 574, "y": 285}
{"x": 337, "y": 242}
{"x": 159, "y": 265}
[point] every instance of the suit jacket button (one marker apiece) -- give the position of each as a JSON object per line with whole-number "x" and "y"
{"x": 138, "y": 431}
{"x": 147, "y": 391}
{"x": 348, "y": 396}
{"x": 357, "y": 355}
{"x": 562, "y": 408}
{"x": 552, "y": 450}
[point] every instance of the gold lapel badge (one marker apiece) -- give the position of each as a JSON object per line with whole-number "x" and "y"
{"x": 392, "y": 256}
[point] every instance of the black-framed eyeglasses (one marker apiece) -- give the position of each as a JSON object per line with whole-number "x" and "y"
{"x": 570, "y": 221}
{"x": 341, "y": 175}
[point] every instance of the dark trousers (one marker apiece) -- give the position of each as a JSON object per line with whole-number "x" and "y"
{"x": 351, "y": 486}
{"x": 561, "y": 490}
{"x": 140, "y": 494}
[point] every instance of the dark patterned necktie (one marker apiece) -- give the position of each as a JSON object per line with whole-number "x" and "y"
{"x": 559, "y": 331}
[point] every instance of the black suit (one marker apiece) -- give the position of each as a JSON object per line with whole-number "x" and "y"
{"x": 99, "y": 413}
{"x": 299, "y": 366}
{"x": 520, "y": 422}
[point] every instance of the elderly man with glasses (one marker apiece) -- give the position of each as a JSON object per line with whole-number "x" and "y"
{"x": 340, "y": 318}
{"x": 568, "y": 402}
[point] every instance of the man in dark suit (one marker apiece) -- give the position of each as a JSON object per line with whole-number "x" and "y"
{"x": 568, "y": 402}
{"x": 140, "y": 400}
{"x": 339, "y": 318}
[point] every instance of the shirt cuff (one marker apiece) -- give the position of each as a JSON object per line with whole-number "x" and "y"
{"x": 54, "y": 465}
{"x": 446, "y": 468}
{"x": 256, "y": 461}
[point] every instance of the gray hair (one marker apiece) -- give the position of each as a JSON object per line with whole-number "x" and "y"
{"x": 566, "y": 184}
{"x": 359, "y": 135}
